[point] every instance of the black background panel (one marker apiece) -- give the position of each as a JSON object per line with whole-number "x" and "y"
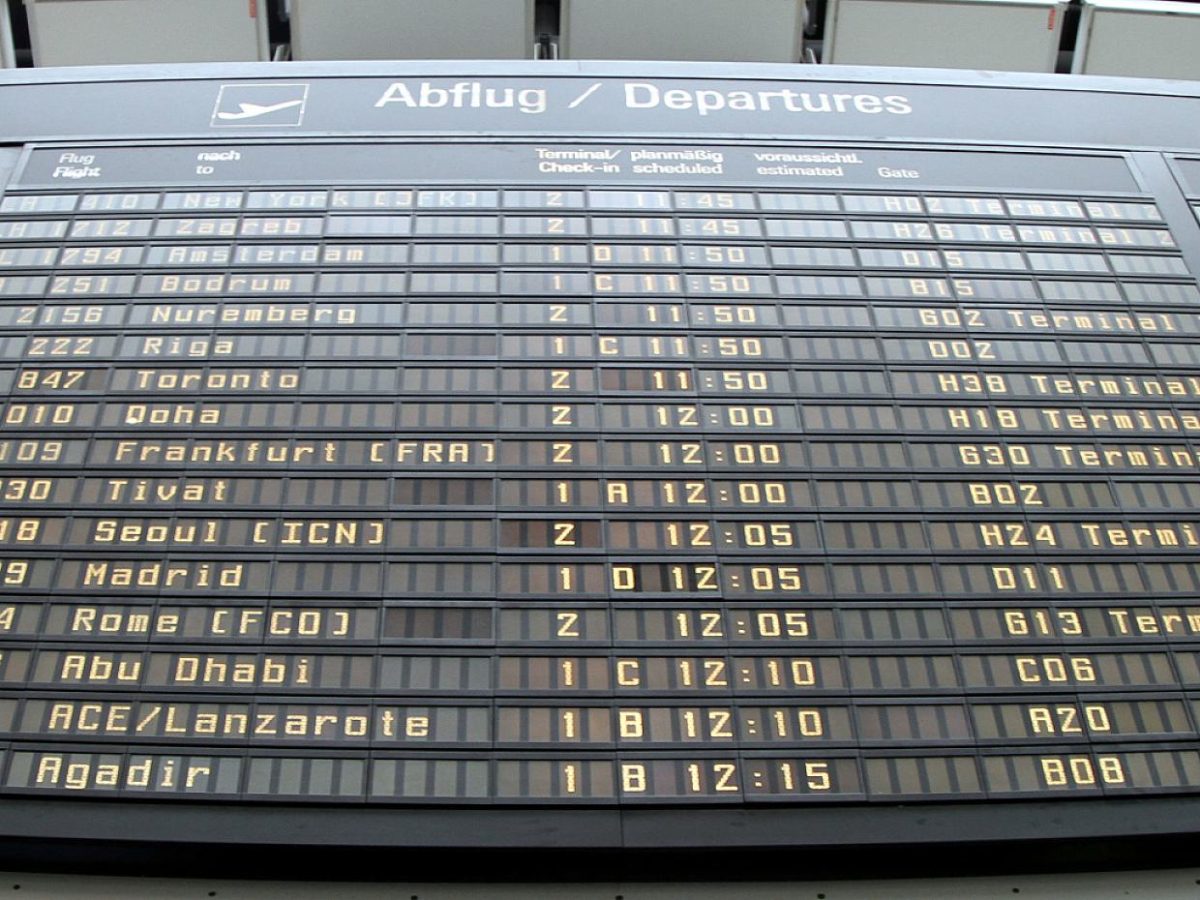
{"x": 571, "y": 458}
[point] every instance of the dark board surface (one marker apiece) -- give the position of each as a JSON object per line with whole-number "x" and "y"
{"x": 513, "y": 447}
{"x": 589, "y": 99}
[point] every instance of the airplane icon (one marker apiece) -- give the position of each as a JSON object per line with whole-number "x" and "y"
{"x": 254, "y": 110}
{"x": 265, "y": 105}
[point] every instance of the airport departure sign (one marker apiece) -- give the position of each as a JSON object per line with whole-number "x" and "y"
{"x": 576, "y": 471}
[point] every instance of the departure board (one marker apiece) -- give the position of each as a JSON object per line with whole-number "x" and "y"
{"x": 448, "y": 463}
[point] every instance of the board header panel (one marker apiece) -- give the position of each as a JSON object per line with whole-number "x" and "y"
{"x": 558, "y": 99}
{"x": 87, "y": 167}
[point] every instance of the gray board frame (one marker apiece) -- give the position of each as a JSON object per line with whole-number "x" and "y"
{"x": 951, "y": 108}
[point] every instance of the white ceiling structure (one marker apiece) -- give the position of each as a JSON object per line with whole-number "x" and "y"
{"x": 1151, "y": 38}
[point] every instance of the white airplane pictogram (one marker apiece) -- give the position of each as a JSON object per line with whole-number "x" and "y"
{"x": 254, "y": 110}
